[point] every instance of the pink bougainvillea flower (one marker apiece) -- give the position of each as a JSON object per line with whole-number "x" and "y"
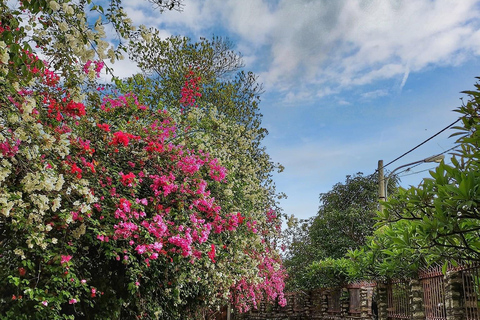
{"x": 65, "y": 259}
{"x": 217, "y": 172}
{"x": 86, "y": 66}
{"x": 105, "y": 127}
{"x": 9, "y": 150}
{"x": 98, "y": 67}
{"x": 45, "y": 303}
{"x": 72, "y": 301}
{"x": 140, "y": 249}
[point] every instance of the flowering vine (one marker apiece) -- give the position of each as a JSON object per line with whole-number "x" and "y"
{"x": 103, "y": 213}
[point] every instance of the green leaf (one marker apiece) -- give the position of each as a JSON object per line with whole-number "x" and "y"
{"x": 445, "y": 267}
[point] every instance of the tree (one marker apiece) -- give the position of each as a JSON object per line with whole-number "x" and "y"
{"x": 217, "y": 66}
{"x": 105, "y": 212}
{"x": 345, "y": 220}
{"x": 346, "y": 215}
{"x": 299, "y": 254}
{"x": 380, "y": 260}
{"x": 439, "y": 219}
{"x": 224, "y": 118}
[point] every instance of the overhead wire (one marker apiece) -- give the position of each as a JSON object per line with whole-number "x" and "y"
{"x": 416, "y": 165}
{"x": 372, "y": 175}
{"x": 425, "y": 141}
{"x": 417, "y": 172}
{"x": 409, "y": 168}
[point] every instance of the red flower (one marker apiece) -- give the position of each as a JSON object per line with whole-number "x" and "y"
{"x": 190, "y": 90}
{"x": 211, "y": 254}
{"x": 75, "y": 169}
{"x": 127, "y": 179}
{"x": 120, "y": 137}
{"x": 22, "y": 271}
{"x": 75, "y": 109}
{"x": 105, "y": 127}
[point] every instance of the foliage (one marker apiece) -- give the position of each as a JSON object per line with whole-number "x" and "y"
{"x": 105, "y": 212}
{"x": 345, "y": 219}
{"x": 436, "y": 222}
{"x": 299, "y": 254}
{"x": 346, "y": 215}
{"x": 440, "y": 218}
{"x": 378, "y": 259}
{"x": 223, "y": 120}
{"x": 330, "y": 273}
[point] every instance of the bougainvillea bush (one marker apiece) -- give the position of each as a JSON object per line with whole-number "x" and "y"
{"x": 103, "y": 214}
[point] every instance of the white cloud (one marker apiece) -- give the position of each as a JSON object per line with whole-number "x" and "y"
{"x": 251, "y": 19}
{"x": 196, "y": 17}
{"x": 343, "y": 102}
{"x": 125, "y": 68}
{"x": 374, "y": 94}
{"x": 405, "y": 77}
{"x": 351, "y": 43}
{"x": 317, "y": 48}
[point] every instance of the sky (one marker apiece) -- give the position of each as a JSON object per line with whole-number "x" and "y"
{"x": 347, "y": 82}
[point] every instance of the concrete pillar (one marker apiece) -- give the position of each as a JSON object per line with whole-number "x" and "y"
{"x": 344, "y": 302}
{"x": 416, "y": 300}
{"x": 364, "y": 309}
{"x": 381, "y": 299}
{"x": 454, "y": 295}
{"x": 324, "y": 302}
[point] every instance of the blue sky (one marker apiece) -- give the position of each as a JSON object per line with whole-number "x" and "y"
{"x": 347, "y": 82}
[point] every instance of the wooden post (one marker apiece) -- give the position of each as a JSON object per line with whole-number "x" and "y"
{"x": 381, "y": 185}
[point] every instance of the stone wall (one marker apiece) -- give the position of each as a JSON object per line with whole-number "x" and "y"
{"x": 315, "y": 304}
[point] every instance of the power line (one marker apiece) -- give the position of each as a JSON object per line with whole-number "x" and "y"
{"x": 372, "y": 175}
{"x": 416, "y": 165}
{"x": 436, "y": 134}
{"x": 410, "y": 174}
{"x": 409, "y": 168}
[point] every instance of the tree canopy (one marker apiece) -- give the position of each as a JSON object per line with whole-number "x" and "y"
{"x": 112, "y": 204}
{"x": 436, "y": 222}
{"x": 439, "y": 220}
{"x": 346, "y": 218}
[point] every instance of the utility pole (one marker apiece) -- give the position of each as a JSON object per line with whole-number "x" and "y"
{"x": 381, "y": 185}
